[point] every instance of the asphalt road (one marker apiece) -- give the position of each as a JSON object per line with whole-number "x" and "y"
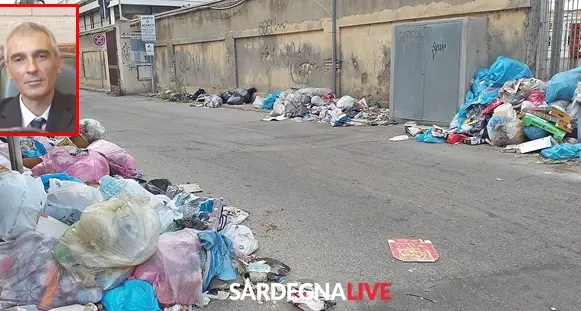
{"x": 326, "y": 200}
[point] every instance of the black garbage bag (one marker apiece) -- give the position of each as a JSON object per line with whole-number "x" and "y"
{"x": 249, "y": 95}
{"x": 157, "y": 186}
{"x": 225, "y": 96}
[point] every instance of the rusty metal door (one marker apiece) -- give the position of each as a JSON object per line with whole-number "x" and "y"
{"x": 113, "y": 62}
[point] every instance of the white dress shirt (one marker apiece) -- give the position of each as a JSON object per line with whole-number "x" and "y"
{"x": 28, "y": 116}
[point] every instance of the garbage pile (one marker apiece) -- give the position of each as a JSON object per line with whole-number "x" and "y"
{"x": 203, "y": 99}
{"x": 81, "y": 229}
{"x": 507, "y": 107}
{"x": 307, "y": 104}
{"x": 320, "y": 105}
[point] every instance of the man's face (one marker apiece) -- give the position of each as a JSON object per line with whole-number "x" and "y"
{"x": 32, "y": 64}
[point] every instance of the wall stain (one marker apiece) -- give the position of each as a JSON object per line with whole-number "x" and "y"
{"x": 126, "y": 53}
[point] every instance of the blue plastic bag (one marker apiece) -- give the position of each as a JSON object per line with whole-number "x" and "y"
{"x": 487, "y": 83}
{"x": 427, "y": 137}
{"x": 562, "y": 85}
{"x": 562, "y": 152}
{"x": 220, "y": 246}
{"x": 59, "y": 176}
{"x": 506, "y": 69}
{"x": 270, "y": 100}
{"x": 133, "y": 295}
{"x": 534, "y": 132}
{"x": 32, "y": 148}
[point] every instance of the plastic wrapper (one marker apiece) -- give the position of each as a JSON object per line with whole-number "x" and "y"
{"x": 87, "y": 165}
{"x": 32, "y": 148}
{"x": 109, "y": 240}
{"x": 66, "y": 200}
{"x": 175, "y": 269}
{"x": 91, "y": 130}
{"x": 563, "y": 151}
{"x": 120, "y": 162}
{"x": 134, "y": 295}
{"x": 22, "y": 199}
{"x": 29, "y": 275}
{"x": 258, "y": 102}
{"x": 504, "y": 131}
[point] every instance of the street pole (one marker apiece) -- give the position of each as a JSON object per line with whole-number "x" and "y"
{"x": 556, "y": 38}
{"x": 120, "y": 10}
{"x": 15, "y": 153}
{"x": 152, "y": 57}
{"x": 334, "y": 57}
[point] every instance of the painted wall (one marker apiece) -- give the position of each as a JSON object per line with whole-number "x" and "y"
{"x": 280, "y": 44}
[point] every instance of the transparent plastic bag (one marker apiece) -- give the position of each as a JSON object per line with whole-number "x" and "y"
{"x": 175, "y": 269}
{"x": 91, "y": 130}
{"x": 29, "y": 275}
{"x": 119, "y": 187}
{"x": 120, "y": 162}
{"x": 22, "y": 199}
{"x": 110, "y": 238}
{"x": 258, "y": 102}
{"x": 87, "y": 165}
{"x": 66, "y": 200}
{"x": 504, "y": 131}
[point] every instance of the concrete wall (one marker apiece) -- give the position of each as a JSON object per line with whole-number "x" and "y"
{"x": 280, "y": 44}
{"x": 61, "y": 21}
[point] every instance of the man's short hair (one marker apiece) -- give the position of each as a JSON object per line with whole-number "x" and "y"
{"x": 31, "y": 27}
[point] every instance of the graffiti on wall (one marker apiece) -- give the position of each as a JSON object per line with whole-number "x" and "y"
{"x": 270, "y": 26}
{"x": 126, "y": 53}
{"x": 300, "y": 63}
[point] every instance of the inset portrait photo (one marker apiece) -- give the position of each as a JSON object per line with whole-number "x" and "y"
{"x": 39, "y": 70}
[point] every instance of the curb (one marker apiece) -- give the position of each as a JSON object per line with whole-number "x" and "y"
{"x": 92, "y": 89}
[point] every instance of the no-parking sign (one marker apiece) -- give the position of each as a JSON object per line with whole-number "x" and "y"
{"x": 99, "y": 40}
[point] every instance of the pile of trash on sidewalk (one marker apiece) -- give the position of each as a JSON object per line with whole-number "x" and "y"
{"x": 507, "y": 107}
{"x": 307, "y": 104}
{"x": 320, "y": 105}
{"x": 80, "y": 229}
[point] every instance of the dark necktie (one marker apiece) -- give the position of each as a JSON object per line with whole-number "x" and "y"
{"x": 37, "y": 123}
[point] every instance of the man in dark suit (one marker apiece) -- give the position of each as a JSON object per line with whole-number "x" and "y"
{"x": 33, "y": 63}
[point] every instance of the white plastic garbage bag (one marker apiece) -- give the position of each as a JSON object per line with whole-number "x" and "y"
{"x": 258, "y": 102}
{"x": 66, "y": 200}
{"x": 22, "y": 199}
{"x": 111, "y": 238}
{"x": 119, "y": 187}
{"x": 346, "y": 102}
{"x": 242, "y": 238}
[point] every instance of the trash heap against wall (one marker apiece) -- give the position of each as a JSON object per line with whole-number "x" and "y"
{"x": 81, "y": 230}
{"x": 507, "y": 107}
{"x": 307, "y": 104}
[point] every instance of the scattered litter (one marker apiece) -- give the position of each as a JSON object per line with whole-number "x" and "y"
{"x": 500, "y": 179}
{"x": 277, "y": 118}
{"x": 413, "y": 250}
{"x": 191, "y": 188}
{"x": 267, "y": 269}
{"x": 399, "y": 138}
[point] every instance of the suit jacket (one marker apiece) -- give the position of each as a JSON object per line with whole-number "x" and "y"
{"x": 61, "y": 118}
